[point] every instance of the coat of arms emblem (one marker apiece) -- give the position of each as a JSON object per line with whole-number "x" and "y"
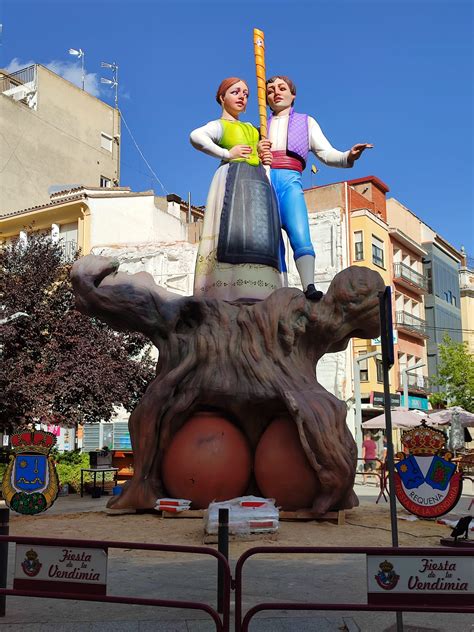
{"x": 427, "y": 482}
{"x": 30, "y": 483}
{"x": 31, "y": 565}
{"x": 386, "y": 578}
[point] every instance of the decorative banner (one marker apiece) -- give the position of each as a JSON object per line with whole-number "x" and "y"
{"x": 427, "y": 482}
{"x": 439, "y": 580}
{"x": 60, "y": 569}
{"x": 30, "y": 484}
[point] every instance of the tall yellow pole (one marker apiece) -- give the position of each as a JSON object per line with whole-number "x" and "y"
{"x": 259, "y": 52}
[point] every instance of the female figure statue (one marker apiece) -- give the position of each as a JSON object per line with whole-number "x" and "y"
{"x": 238, "y": 256}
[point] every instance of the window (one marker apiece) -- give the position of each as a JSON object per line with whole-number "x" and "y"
{"x": 105, "y": 183}
{"x": 377, "y": 251}
{"x": 379, "y": 367}
{"x": 358, "y": 245}
{"x": 106, "y": 141}
{"x": 363, "y": 368}
{"x": 429, "y": 275}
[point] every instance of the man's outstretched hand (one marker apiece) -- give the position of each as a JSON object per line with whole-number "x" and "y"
{"x": 356, "y": 152}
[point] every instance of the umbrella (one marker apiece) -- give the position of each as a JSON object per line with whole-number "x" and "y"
{"x": 401, "y": 418}
{"x": 459, "y": 419}
{"x": 447, "y": 415}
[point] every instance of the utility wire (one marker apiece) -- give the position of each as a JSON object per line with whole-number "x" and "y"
{"x": 141, "y": 154}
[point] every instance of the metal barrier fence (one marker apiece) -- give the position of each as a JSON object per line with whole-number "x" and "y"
{"x": 222, "y": 625}
{"x": 404, "y": 603}
{"x": 381, "y": 473}
{"x": 242, "y": 625}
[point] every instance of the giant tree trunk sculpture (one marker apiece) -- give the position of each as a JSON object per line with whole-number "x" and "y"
{"x": 253, "y": 360}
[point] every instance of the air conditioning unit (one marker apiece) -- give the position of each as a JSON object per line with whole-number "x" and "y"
{"x": 20, "y": 94}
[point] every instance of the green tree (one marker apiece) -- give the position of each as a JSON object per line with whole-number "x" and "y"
{"x": 57, "y": 365}
{"x": 455, "y": 377}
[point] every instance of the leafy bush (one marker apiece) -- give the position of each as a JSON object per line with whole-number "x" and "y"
{"x": 68, "y": 467}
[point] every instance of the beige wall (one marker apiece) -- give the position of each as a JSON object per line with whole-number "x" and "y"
{"x": 398, "y": 216}
{"x": 466, "y": 283}
{"x": 58, "y": 143}
{"x": 131, "y": 219}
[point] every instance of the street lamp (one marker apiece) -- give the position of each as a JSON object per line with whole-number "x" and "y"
{"x": 80, "y": 55}
{"x": 405, "y": 381}
{"x": 357, "y": 395}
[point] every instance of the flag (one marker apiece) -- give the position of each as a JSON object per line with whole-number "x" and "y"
{"x": 440, "y": 473}
{"x": 410, "y": 473}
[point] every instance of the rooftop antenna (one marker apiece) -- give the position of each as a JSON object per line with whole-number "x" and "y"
{"x": 111, "y": 82}
{"x": 80, "y": 55}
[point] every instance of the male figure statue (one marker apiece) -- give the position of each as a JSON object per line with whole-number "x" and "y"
{"x": 291, "y": 136}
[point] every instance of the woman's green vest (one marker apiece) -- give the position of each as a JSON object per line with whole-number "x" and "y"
{"x": 237, "y": 133}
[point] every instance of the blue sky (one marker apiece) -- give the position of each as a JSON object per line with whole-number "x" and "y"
{"x": 397, "y": 74}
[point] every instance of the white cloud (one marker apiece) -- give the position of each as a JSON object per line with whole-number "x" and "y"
{"x": 16, "y": 64}
{"x": 70, "y": 70}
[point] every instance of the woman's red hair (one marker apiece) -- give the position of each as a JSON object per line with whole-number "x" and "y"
{"x": 225, "y": 85}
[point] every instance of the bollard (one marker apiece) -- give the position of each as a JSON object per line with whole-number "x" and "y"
{"x": 222, "y": 547}
{"x": 4, "y": 530}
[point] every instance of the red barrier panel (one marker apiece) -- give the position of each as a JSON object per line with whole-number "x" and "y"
{"x": 221, "y": 625}
{"x": 407, "y": 606}
{"x": 381, "y": 473}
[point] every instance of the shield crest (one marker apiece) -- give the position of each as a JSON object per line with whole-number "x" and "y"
{"x": 30, "y": 473}
{"x": 427, "y": 482}
{"x": 30, "y": 484}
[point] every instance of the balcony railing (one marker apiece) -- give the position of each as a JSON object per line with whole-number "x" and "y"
{"x": 402, "y": 271}
{"x": 69, "y": 249}
{"x": 17, "y": 78}
{"x": 412, "y": 324}
{"x": 415, "y": 382}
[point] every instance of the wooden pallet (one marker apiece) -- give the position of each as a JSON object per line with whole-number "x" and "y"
{"x": 188, "y": 513}
{"x": 339, "y": 517}
{"x": 244, "y": 537}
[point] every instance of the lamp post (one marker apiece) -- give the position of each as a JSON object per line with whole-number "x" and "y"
{"x": 357, "y": 396}
{"x": 80, "y": 55}
{"x": 405, "y": 381}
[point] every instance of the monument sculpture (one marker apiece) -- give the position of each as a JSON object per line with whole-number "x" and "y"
{"x": 235, "y": 407}
{"x": 251, "y": 362}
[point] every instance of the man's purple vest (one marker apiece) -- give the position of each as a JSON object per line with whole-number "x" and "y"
{"x": 298, "y": 138}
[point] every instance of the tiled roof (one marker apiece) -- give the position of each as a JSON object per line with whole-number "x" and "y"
{"x": 66, "y": 195}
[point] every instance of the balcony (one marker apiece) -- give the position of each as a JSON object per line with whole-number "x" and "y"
{"x": 411, "y": 324}
{"x": 416, "y": 383}
{"x": 20, "y": 86}
{"x": 409, "y": 278}
{"x": 69, "y": 249}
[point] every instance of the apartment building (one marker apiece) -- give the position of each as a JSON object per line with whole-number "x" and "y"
{"x": 410, "y": 285}
{"x": 54, "y": 136}
{"x": 466, "y": 287}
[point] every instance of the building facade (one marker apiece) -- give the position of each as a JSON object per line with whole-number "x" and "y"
{"x": 357, "y": 210}
{"x": 410, "y": 286}
{"x": 443, "y": 300}
{"x": 434, "y": 287}
{"x": 466, "y": 287}
{"x": 145, "y": 231}
{"x": 54, "y": 135}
